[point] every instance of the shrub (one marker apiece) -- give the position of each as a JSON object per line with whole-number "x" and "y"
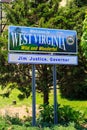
{"x": 46, "y": 116}
{"x": 14, "y": 120}
{"x": 6, "y": 125}
{"x": 47, "y": 128}
{"x": 66, "y": 114}
{"x": 71, "y": 126}
{"x": 17, "y": 127}
{"x": 73, "y": 82}
{"x": 3, "y": 124}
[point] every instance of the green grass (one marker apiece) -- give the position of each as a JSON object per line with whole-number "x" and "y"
{"x": 77, "y": 105}
{"x": 4, "y": 101}
{"x": 80, "y": 105}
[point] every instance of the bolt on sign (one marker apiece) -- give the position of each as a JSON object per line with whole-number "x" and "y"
{"x": 28, "y": 39}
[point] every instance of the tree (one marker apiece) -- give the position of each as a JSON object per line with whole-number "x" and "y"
{"x": 13, "y": 73}
{"x": 84, "y": 37}
{"x": 44, "y": 14}
{"x": 20, "y": 74}
{"x": 73, "y": 82}
{"x": 80, "y": 3}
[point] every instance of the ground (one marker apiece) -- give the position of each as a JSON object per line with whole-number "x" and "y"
{"x": 21, "y": 112}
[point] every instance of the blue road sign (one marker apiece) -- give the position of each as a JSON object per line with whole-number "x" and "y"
{"x": 28, "y": 39}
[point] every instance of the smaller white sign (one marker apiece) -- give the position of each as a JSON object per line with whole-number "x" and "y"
{"x": 42, "y": 59}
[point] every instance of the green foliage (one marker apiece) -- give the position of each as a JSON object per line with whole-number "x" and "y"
{"x": 46, "y": 116}
{"x": 72, "y": 79}
{"x": 15, "y": 13}
{"x": 46, "y": 14}
{"x": 6, "y": 123}
{"x": 14, "y": 120}
{"x": 84, "y": 37}
{"x": 71, "y": 126}
{"x": 74, "y": 83}
{"x": 66, "y": 114}
{"x": 80, "y": 3}
{"x": 13, "y": 75}
{"x": 3, "y": 124}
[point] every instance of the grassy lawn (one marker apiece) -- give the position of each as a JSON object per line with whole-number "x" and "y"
{"x": 4, "y": 101}
{"x": 78, "y": 105}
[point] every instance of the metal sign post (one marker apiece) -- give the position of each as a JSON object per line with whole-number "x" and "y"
{"x": 33, "y": 96}
{"x": 55, "y": 95}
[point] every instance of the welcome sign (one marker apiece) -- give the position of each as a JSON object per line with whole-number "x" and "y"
{"x": 28, "y": 39}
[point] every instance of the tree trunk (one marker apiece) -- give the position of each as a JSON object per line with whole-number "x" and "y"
{"x": 46, "y": 97}
{"x": 45, "y": 86}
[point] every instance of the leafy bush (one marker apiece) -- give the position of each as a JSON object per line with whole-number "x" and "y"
{"x": 3, "y": 124}
{"x": 46, "y": 117}
{"x": 73, "y": 81}
{"x": 80, "y": 3}
{"x": 14, "y": 120}
{"x": 47, "y": 128}
{"x": 27, "y": 123}
{"x": 45, "y": 120}
{"x": 71, "y": 126}
{"x": 17, "y": 127}
{"x": 6, "y": 125}
{"x": 66, "y": 114}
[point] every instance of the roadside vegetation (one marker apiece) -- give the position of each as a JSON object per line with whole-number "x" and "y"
{"x": 70, "y": 116}
{"x": 4, "y": 125}
{"x": 16, "y": 79}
